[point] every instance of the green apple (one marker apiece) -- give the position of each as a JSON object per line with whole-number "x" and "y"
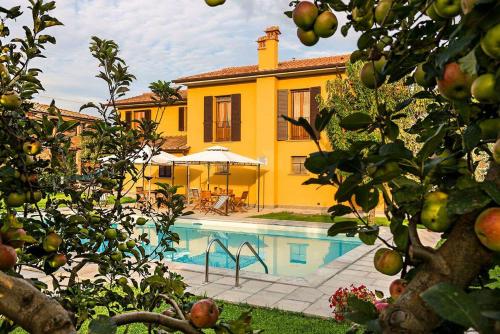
{"x": 431, "y": 13}
{"x": 434, "y": 213}
{"x": 383, "y": 12}
{"x": 213, "y": 3}
{"x": 34, "y": 197}
{"x": 32, "y": 147}
{"x": 117, "y": 256}
{"x": 490, "y": 128}
{"x": 490, "y": 43}
{"x": 304, "y": 15}
{"x": 123, "y": 236}
{"x": 370, "y": 77}
{"x": 10, "y": 101}
{"x": 420, "y": 78}
{"x": 4, "y": 72}
{"x": 387, "y": 172}
{"x": 364, "y": 17}
{"x": 77, "y": 219}
{"x": 455, "y": 84}
{"x": 141, "y": 221}
{"x": 307, "y": 37}
{"x": 379, "y": 64}
{"x": 15, "y": 199}
{"x": 111, "y": 234}
{"x": 388, "y": 261}
{"x": 122, "y": 247}
{"x": 51, "y": 242}
{"x": 130, "y": 244}
{"x": 447, "y": 8}
{"x": 326, "y": 24}
{"x": 483, "y": 89}
{"x": 122, "y": 281}
{"x": 496, "y": 152}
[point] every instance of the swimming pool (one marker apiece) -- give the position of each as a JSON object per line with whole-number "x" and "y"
{"x": 287, "y": 250}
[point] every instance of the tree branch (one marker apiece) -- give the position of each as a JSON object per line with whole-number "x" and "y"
{"x": 155, "y": 318}
{"x": 427, "y": 254}
{"x": 29, "y": 308}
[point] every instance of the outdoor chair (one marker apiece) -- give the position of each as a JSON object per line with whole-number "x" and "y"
{"x": 218, "y": 206}
{"x": 194, "y": 197}
{"x": 205, "y": 200}
{"x": 240, "y": 203}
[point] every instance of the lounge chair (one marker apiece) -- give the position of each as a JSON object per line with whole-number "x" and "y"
{"x": 218, "y": 206}
{"x": 240, "y": 203}
{"x": 194, "y": 196}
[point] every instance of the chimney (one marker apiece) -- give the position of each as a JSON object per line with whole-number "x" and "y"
{"x": 268, "y": 49}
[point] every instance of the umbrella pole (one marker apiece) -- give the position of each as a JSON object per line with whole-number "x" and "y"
{"x": 173, "y": 173}
{"x": 227, "y": 186}
{"x": 187, "y": 184}
{"x": 208, "y": 177}
{"x": 258, "y": 188}
{"x": 149, "y": 181}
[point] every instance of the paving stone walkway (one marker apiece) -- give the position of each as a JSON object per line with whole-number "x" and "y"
{"x": 309, "y": 296}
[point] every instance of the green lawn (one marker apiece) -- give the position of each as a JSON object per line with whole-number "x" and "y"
{"x": 320, "y": 218}
{"x": 271, "y": 320}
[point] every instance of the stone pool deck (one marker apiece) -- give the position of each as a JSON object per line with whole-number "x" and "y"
{"x": 306, "y": 295}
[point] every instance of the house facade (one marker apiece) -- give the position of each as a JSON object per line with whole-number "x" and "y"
{"x": 240, "y": 108}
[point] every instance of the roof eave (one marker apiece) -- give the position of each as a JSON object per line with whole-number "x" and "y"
{"x": 260, "y": 74}
{"x": 149, "y": 104}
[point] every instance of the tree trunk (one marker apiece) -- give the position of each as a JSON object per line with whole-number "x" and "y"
{"x": 29, "y": 308}
{"x": 464, "y": 255}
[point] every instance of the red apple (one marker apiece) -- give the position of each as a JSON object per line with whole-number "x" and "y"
{"x": 304, "y": 15}
{"x": 487, "y": 228}
{"x": 12, "y": 237}
{"x": 204, "y": 313}
{"x": 388, "y": 261}
{"x": 8, "y": 257}
{"x": 397, "y": 287}
{"x": 455, "y": 84}
{"x": 58, "y": 260}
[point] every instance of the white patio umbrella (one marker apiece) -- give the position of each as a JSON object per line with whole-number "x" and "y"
{"x": 220, "y": 155}
{"x": 144, "y": 157}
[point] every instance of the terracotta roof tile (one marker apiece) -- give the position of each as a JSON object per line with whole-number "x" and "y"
{"x": 145, "y": 98}
{"x": 43, "y": 109}
{"x": 174, "y": 144}
{"x": 290, "y": 65}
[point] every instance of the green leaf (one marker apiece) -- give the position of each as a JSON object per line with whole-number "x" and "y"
{"x": 346, "y": 189}
{"x": 432, "y": 143}
{"x": 356, "y": 121}
{"x": 468, "y": 63}
{"x": 102, "y": 325}
{"x": 462, "y": 202}
{"x": 454, "y": 305}
{"x": 471, "y": 137}
{"x": 368, "y": 235}
{"x": 367, "y": 197}
{"x": 492, "y": 190}
{"x": 346, "y": 226}
{"x": 339, "y": 210}
{"x": 362, "y": 311}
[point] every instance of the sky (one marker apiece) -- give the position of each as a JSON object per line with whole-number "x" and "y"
{"x": 162, "y": 40}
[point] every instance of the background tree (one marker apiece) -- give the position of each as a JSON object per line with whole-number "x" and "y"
{"x": 77, "y": 231}
{"x": 454, "y": 45}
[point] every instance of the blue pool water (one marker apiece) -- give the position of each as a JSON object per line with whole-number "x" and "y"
{"x": 289, "y": 252}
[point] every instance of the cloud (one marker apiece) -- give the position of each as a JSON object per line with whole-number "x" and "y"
{"x": 163, "y": 40}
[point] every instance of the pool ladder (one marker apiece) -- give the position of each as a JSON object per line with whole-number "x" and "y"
{"x": 235, "y": 259}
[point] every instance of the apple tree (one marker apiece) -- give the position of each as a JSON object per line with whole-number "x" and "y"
{"x": 451, "y": 50}
{"x": 63, "y": 249}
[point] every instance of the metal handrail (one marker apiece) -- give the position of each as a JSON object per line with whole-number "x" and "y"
{"x": 207, "y": 255}
{"x": 237, "y": 283}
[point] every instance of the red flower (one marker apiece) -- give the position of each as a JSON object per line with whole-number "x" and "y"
{"x": 339, "y": 304}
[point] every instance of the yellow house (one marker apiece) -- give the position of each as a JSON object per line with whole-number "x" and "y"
{"x": 240, "y": 108}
